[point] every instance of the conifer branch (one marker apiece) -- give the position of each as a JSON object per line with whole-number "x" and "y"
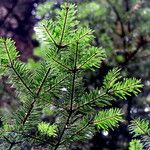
{"x": 28, "y": 113}
{"x": 64, "y": 66}
{"x": 12, "y": 66}
{"x": 135, "y": 145}
{"x": 125, "y": 89}
{"x": 43, "y": 81}
{"x": 87, "y": 33}
{"x": 50, "y": 35}
{"x": 78, "y": 131}
{"x": 35, "y": 99}
{"x": 26, "y": 136}
{"x": 57, "y": 83}
{"x": 109, "y": 92}
{"x": 108, "y": 119}
{"x": 104, "y": 119}
{"x": 64, "y": 25}
{"x": 87, "y": 60}
{"x": 141, "y": 124}
{"x": 138, "y": 125}
{"x": 91, "y": 101}
{"x": 71, "y": 99}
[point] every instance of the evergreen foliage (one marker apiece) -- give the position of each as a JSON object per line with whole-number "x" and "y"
{"x": 136, "y": 145}
{"x": 47, "y": 129}
{"x": 108, "y": 119}
{"x": 140, "y": 128}
{"x": 58, "y": 82}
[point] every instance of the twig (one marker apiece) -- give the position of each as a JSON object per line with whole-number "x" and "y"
{"x": 12, "y": 66}
{"x": 64, "y": 25}
{"x": 49, "y": 35}
{"x": 35, "y": 99}
{"x": 71, "y": 100}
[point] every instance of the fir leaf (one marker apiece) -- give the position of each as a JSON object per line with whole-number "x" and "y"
{"x": 139, "y": 127}
{"x": 108, "y": 119}
{"x": 47, "y": 129}
{"x": 111, "y": 78}
{"x": 135, "y": 145}
{"x": 91, "y": 58}
{"x": 123, "y": 88}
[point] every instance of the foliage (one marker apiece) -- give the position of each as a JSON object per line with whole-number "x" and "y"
{"x": 46, "y": 128}
{"x": 57, "y": 81}
{"x": 136, "y": 145}
{"x": 122, "y": 28}
{"x": 108, "y": 119}
{"x": 140, "y": 128}
{"x": 44, "y": 9}
{"x": 120, "y": 89}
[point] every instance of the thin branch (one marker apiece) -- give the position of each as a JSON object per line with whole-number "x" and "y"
{"x": 11, "y": 143}
{"x": 49, "y": 35}
{"x": 107, "y": 92}
{"x": 142, "y": 129}
{"x": 106, "y": 118}
{"x": 35, "y": 99}
{"x": 26, "y": 136}
{"x": 87, "y": 60}
{"x": 11, "y": 146}
{"x": 91, "y": 101}
{"x": 143, "y": 56}
{"x": 128, "y": 59}
{"x": 87, "y": 33}
{"x": 43, "y": 81}
{"x": 22, "y": 81}
{"x": 64, "y": 25}
{"x": 79, "y": 131}
{"x": 64, "y": 66}
{"x": 71, "y": 100}
{"x": 57, "y": 83}
{"x": 74, "y": 76}
{"x": 127, "y": 5}
{"x": 28, "y": 113}
{"x": 7, "y": 139}
{"x": 12, "y": 66}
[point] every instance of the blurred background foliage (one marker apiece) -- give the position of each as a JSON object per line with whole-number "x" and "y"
{"x": 120, "y": 26}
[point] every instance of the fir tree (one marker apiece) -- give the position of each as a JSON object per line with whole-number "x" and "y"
{"x": 56, "y": 86}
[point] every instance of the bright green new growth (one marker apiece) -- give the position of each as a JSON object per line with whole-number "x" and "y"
{"x": 57, "y": 83}
{"x": 135, "y": 145}
{"x": 47, "y": 129}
